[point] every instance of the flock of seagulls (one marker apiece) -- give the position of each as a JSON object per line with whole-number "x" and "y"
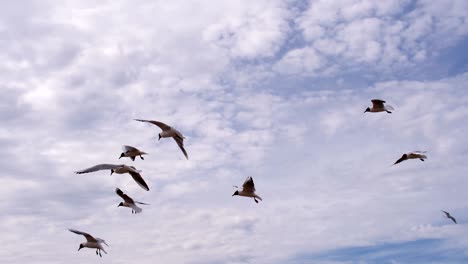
{"x": 247, "y": 190}
{"x": 381, "y": 106}
{"x": 132, "y": 153}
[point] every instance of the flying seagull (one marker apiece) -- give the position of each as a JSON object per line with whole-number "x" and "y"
{"x": 132, "y": 152}
{"x": 378, "y": 106}
{"x": 91, "y": 242}
{"x": 412, "y": 155}
{"x": 248, "y": 190}
{"x": 449, "y": 216}
{"x": 120, "y": 169}
{"x": 168, "y": 131}
{"x": 129, "y": 202}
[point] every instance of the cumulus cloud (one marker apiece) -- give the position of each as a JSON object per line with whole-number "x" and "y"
{"x": 379, "y": 35}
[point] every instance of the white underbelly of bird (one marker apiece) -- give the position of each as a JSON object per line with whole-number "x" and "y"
{"x": 133, "y": 206}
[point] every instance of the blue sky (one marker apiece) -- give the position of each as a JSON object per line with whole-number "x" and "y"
{"x": 275, "y": 90}
{"x": 403, "y": 252}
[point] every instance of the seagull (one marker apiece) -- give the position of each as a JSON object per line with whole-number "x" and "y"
{"x": 129, "y": 202}
{"x": 132, "y": 152}
{"x": 168, "y": 131}
{"x": 248, "y": 190}
{"x": 120, "y": 169}
{"x": 412, "y": 155}
{"x": 91, "y": 242}
{"x": 378, "y": 106}
{"x": 449, "y": 216}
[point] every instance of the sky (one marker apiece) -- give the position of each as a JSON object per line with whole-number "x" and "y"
{"x": 273, "y": 89}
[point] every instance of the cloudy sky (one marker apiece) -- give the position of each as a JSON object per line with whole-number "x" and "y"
{"x": 273, "y": 89}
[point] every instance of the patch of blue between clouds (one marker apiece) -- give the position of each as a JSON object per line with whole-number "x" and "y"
{"x": 456, "y": 58}
{"x": 423, "y": 251}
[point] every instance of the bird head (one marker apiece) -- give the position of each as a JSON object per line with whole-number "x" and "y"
{"x": 120, "y": 204}
{"x": 122, "y": 155}
{"x": 367, "y": 110}
{"x": 112, "y": 171}
{"x": 81, "y": 246}
{"x": 236, "y": 193}
{"x": 159, "y": 138}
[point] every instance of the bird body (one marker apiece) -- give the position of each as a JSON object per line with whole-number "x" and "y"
{"x": 129, "y": 202}
{"x": 168, "y": 131}
{"x": 412, "y": 155}
{"x": 379, "y": 106}
{"x": 91, "y": 242}
{"x": 248, "y": 190}
{"x": 132, "y": 152}
{"x": 95, "y": 245}
{"x": 120, "y": 169}
{"x": 135, "y": 208}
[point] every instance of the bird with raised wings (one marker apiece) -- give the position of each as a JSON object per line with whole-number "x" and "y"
{"x": 120, "y": 169}
{"x": 248, "y": 190}
{"x": 449, "y": 216}
{"x": 412, "y": 155}
{"x": 91, "y": 242}
{"x": 379, "y": 106}
{"x": 168, "y": 131}
{"x": 129, "y": 202}
{"x": 132, "y": 152}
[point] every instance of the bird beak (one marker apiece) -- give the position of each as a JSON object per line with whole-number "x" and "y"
{"x": 159, "y": 138}
{"x": 112, "y": 171}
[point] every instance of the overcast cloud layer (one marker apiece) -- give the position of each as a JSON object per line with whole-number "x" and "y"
{"x": 270, "y": 89}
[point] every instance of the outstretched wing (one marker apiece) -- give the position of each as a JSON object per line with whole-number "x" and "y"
{"x": 98, "y": 168}
{"x": 142, "y": 203}
{"x": 248, "y": 185}
{"x": 125, "y": 197}
{"x": 132, "y": 168}
{"x": 453, "y": 219}
{"x": 137, "y": 177}
{"x": 180, "y": 142}
{"x": 100, "y": 240}
{"x": 377, "y": 103}
{"x": 88, "y": 237}
{"x": 126, "y": 148}
{"x": 161, "y": 125}
{"x": 401, "y": 159}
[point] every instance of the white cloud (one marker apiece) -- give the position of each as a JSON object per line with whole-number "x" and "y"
{"x": 379, "y": 35}
{"x": 305, "y": 60}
